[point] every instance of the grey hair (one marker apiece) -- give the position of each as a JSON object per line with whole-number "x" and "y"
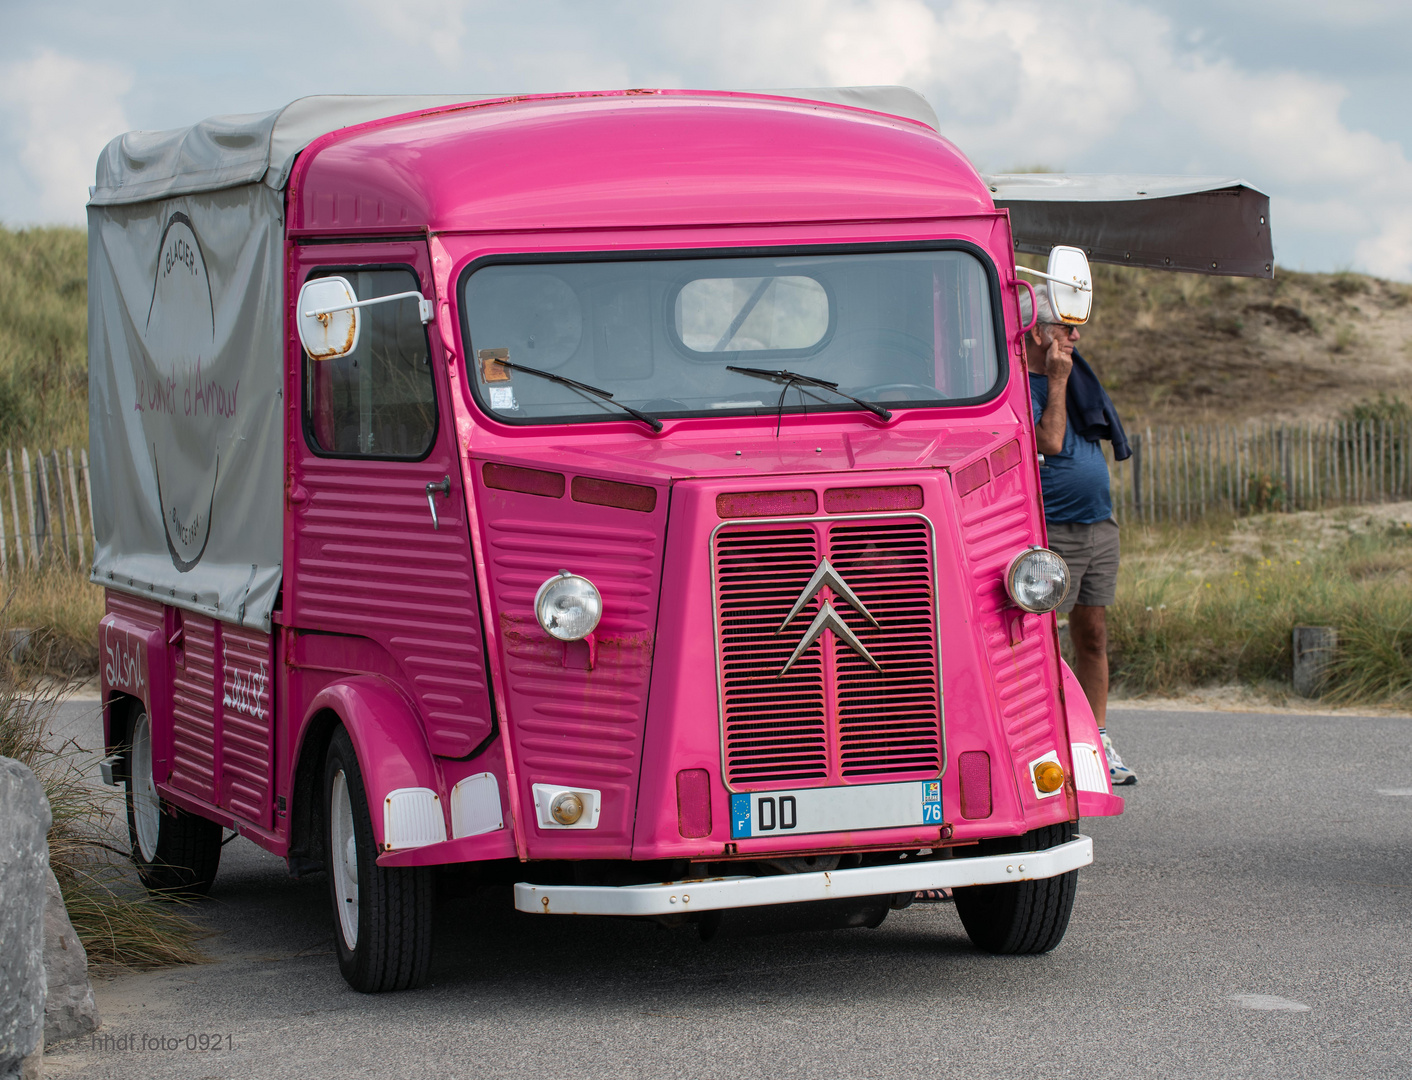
{"x": 1041, "y": 307}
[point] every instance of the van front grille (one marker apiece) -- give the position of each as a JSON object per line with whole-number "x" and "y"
{"x": 832, "y": 718}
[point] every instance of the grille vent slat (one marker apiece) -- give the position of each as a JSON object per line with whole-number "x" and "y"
{"x": 864, "y": 727}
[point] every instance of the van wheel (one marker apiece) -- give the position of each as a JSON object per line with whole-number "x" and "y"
{"x": 176, "y": 852}
{"x": 1028, "y": 917}
{"x": 381, "y": 915}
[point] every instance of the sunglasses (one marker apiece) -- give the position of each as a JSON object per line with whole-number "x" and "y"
{"x": 1069, "y": 331}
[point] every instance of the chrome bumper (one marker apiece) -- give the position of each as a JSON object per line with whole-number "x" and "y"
{"x": 711, "y": 894}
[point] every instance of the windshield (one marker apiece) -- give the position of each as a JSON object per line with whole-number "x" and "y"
{"x": 668, "y": 337}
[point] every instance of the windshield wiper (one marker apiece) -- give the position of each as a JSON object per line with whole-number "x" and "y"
{"x": 650, "y": 421}
{"x": 788, "y": 377}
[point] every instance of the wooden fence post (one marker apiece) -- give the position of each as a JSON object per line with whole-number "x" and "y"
{"x": 29, "y": 507}
{"x": 73, "y": 494}
{"x": 46, "y": 504}
{"x": 61, "y": 506}
{"x": 88, "y": 490}
{"x": 15, "y": 511}
{"x": 1137, "y": 476}
{"x": 1186, "y": 475}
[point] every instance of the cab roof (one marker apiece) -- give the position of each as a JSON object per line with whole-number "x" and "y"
{"x": 626, "y": 160}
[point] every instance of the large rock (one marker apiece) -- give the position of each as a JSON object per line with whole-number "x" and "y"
{"x": 24, "y": 864}
{"x": 69, "y": 1008}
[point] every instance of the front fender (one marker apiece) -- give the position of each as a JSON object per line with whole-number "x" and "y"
{"x": 1095, "y": 787}
{"x": 402, "y": 782}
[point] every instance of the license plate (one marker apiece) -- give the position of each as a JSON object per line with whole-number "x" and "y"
{"x": 835, "y": 809}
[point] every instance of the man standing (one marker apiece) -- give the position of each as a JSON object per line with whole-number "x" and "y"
{"x": 1072, "y": 412}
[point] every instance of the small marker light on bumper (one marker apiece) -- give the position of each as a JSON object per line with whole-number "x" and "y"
{"x": 567, "y": 808}
{"x": 1037, "y": 580}
{"x": 1048, "y": 776}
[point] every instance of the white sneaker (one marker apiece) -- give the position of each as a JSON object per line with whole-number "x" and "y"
{"x": 1118, "y": 773}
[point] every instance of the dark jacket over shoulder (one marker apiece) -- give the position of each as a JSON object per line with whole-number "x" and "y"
{"x": 1091, "y": 411}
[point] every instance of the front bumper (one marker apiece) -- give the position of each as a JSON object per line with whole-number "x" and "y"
{"x": 712, "y": 894}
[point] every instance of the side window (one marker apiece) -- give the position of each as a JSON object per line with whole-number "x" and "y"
{"x": 380, "y": 399}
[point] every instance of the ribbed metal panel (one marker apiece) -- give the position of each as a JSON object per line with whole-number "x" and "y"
{"x": 370, "y": 563}
{"x": 246, "y": 730}
{"x": 193, "y": 710}
{"x": 993, "y": 533}
{"x": 139, "y": 611}
{"x": 831, "y": 718}
{"x": 571, "y": 720}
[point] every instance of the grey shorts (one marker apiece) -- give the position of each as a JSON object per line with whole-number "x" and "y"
{"x": 1092, "y": 554}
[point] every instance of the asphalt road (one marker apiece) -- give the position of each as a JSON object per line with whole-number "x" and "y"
{"x": 1247, "y": 916}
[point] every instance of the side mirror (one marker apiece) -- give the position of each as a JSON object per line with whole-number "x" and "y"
{"x": 328, "y": 318}
{"x": 1070, "y": 284}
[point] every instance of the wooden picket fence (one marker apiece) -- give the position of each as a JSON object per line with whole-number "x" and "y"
{"x": 1185, "y": 473}
{"x": 49, "y": 515}
{"x": 1175, "y": 474}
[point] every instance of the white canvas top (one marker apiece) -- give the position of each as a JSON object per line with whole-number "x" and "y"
{"x": 227, "y": 151}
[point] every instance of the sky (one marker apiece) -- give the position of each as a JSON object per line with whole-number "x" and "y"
{"x": 1304, "y": 99}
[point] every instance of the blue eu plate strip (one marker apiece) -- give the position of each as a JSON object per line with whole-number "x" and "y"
{"x": 740, "y": 816}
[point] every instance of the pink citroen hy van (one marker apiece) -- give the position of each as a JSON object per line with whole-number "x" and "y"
{"x": 630, "y": 497}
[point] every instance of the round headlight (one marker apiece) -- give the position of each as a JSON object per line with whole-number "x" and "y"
{"x": 1037, "y": 580}
{"x": 568, "y": 606}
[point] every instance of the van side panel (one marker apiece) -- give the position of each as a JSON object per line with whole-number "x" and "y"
{"x": 131, "y": 635}
{"x": 194, "y": 723}
{"x": 207, "y": 688}
{"x": 247, "y": 744}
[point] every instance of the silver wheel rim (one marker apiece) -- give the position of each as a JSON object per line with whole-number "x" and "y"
{"x": 344, "y": 857}
{"x": 146, "y": 804}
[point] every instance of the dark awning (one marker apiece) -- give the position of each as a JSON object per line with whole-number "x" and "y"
{"x": 1200, "y": 224}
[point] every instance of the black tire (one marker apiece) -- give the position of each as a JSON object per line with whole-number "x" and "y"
{"x": 1028, "y": 917}
{"x": 392, "y": 928}
{"x": 182, "y": 857}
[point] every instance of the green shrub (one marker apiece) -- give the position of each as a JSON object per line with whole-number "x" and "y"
{"x": 1374, "y": 410}
{"x": 1186, "y": 618}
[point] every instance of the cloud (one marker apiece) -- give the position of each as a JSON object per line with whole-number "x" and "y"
{"x": 1104, "y": 86}
{"x": 436, "y": 24}
{"x": 63, "y": 111}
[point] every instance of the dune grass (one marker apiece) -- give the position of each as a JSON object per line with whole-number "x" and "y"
{"x": 114, "y": 919}
{"x": 1217, "y": 603}
{"x": 61, "y": 608}
{"x": 44, "y": 337}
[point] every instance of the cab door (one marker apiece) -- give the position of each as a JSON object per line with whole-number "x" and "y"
{"x": 377, "y": 548}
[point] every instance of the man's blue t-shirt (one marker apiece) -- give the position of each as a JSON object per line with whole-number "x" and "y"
{"x": 1075, "y": 480}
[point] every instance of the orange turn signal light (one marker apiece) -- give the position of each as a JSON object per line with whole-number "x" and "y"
{"x": 1048, "y": 776}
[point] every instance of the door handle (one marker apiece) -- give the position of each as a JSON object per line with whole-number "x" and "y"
{"x": 445, "y": 488}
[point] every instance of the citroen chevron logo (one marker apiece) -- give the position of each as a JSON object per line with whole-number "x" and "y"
{"x": 828, "y": 617}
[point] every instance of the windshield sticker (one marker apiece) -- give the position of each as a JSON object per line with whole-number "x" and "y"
{"x": 502, "y": 398}
{"x": 491, "y": 370}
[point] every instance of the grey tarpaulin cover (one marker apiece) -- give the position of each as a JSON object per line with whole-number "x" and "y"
{"x": 184, "y": 411}
{"x": 1203, "y": 224}
{"x": 186, "y": 345}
